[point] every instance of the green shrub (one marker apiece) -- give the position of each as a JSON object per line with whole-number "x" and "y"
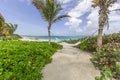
{"x": 25, "y": 60}
{"x": 106, "y": 74}
{"x": 10, "y": 38}
{"x": 91, "y": 43}
{"x": 111, "y": 38}
{"x": 108, "y": 57}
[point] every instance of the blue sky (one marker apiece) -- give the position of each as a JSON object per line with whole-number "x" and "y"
{"x": 83, "y": 18}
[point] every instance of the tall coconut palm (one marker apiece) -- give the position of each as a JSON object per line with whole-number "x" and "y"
{"x": 49, "y": 9}
{"x": 103, "y": 16}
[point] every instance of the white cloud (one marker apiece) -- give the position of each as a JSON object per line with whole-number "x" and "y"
{"x": 114, "y": 19}
{"x": 92, "y": 19}
{"x": 75, "y": 13}
{"x": 66, "y": 1}
{"x": 74, "y": 24}
{"x": 92, "y": 24}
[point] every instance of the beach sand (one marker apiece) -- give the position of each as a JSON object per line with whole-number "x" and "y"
{"x": 30, "y": 39}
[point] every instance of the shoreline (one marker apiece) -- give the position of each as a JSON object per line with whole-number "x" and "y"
{"x": 53, "y": 38}
{"x": 38, "y": 40}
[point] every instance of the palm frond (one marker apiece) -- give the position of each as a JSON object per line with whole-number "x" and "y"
{"x": 41, "y": 6}
{"x": 60, "y": 17}
{"x": 58, "y": 8}
{"x": 15, "y": 27}
{"x": 9, "y": 28}
{"x": 49, "y": 9}
{"x": 2, "y": 20}
{"x": 95, "y": 3}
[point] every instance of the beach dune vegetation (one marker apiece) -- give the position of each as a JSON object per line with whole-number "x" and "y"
{"x": 25, "y": 60}
{"x": 49, "y": 10}
{"x": 107, "y": 59}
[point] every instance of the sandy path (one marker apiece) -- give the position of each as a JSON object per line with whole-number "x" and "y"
{"x": 70, "y": 64}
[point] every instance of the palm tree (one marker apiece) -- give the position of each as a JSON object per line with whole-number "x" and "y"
{"x": 2, "y": 22}
{"x": 12, "y": 28}
{"x": 9, "y": 29}
{"x": 103, "y": 16}
{"x": 49, "y": 9}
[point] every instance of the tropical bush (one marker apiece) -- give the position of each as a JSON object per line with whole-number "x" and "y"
{"x": 11, "y": 38}
{"x": 109, "y": 58}
{"x": 91, "y": 43}
{"x": 106, "y": 74}
{"x": 25, "y": 60}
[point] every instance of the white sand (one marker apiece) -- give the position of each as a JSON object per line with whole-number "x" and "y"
{"x": 70, "y": 64}
{"x": 30, "y": 39}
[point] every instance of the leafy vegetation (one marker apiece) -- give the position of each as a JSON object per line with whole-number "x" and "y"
{"x": 90, "y": 44}
{"x": 107, "y": 59}
{"x": 10, "y": 38}
{"x": 25, "y": 60}
{"x": 105, "y": 75}
{"x": 108, "y": 55}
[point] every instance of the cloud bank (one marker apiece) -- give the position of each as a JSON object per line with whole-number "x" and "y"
{"x": 84, "y": 6}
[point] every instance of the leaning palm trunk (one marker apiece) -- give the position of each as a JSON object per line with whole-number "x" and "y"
{"x": 103, "y": 16}
{"x": 99, "y": 39}
{"x": 103, "y": 20}
{"x": 49, "y": 36}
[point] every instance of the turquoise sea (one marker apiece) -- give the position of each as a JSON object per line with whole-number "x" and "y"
{"x": 54, "y": 38}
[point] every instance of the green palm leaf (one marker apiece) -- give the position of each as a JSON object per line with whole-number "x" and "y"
{"x": 60, "y": 17}
{"x": 2, "y": 20}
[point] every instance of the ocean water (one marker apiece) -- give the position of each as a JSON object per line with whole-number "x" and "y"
{"x": 54, "y": 38}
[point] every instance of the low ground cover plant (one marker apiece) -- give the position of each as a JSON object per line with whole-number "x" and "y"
{"x": 25, "y": 60}
{"x": 108, "y": 58}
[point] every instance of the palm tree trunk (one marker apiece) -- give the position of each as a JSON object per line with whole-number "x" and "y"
{"x": 99, "y": 40}
{"x": 102, "y": 21}
{"x": 49, "y": 35}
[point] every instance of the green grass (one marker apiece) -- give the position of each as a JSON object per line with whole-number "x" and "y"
{"x": 25, "y": 60}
